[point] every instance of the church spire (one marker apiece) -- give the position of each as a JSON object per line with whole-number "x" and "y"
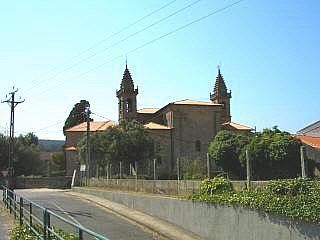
{"x": 220, "y": 95}
{"x": 220, "y": 88}
{"x": 126, "y": 62}
{"x": 127, "y": 96}
{"x": 127, "y": 82}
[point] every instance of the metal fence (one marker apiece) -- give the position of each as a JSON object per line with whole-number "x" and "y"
{"x": 183, "y": 168}
{"x": 39, "y": 219}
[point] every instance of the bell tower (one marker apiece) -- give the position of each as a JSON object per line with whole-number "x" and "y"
{"x": 220, "y": 95}
{"x": 127, "y": 96}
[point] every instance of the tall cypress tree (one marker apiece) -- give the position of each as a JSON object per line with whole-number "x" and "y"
{"x": 77, "y": 115}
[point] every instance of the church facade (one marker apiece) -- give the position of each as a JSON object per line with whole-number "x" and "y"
{"x": 182, "y": 128}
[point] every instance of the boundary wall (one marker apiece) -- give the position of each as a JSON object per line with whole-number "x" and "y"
{"x": 62, "y": 182}
{"x": 167, "y": 187}
{"x": 214, "y": 221}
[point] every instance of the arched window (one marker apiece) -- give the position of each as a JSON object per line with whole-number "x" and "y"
{"x": 198, "y": 146}
{"x": 129, "y": 105}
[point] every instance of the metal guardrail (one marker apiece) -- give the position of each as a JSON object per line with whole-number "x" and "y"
{"x": 24, "y": 210}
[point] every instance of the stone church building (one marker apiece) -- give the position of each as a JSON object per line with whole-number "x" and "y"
{"x": 183, "y": 128}
{"x": 180, "y": 129}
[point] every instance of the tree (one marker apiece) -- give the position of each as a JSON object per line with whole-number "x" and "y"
{"x": 274, "y": 154}
{"x": 77, "y": 115}
{"x": 136, "y": 145}
{"x": 126, "y": 142}
{"x": 27, "y": 155}
{"x": 57, "y": 164}
{"x": 28, "y": 139}
{"x": 225, "y": 150}
{"x": 4, "y": 152}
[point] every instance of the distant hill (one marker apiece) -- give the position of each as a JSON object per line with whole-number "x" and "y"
{"x": 51, "y": 145}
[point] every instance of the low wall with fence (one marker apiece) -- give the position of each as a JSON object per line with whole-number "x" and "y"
{"x": 212, "y": 221}
{"x": 43, "y": 182}
{"x": 168, "y": 187}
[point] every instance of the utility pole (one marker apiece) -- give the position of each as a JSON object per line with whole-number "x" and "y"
{"x": 303, "y": 163}
{"x": 248, "y": 163}
{"x": 208, "y": 166}
{"x": 88, "y": 143}
{"x": 12, "y": 103}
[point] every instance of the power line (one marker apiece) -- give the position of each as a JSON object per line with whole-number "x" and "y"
{"x": 104, "y": 40}
{"x": 120, "y": 41}
{"x": 50, "y": 126}
{"x": 212, "y": 12}
{"x": 103, "y": 117}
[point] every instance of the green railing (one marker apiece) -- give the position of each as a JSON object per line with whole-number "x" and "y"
{"x": 39, "y": 219}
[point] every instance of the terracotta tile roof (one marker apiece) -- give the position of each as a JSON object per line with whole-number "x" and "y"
{"x": 94, "y": 126}
{"x": 195, "y": 102}
{"x": 148, "y": 110}
{"x": 311, "y": 141}
{"x": 237, "y": 126}
{"x": 72, "y": 148}
{"x": 156, "y": 126}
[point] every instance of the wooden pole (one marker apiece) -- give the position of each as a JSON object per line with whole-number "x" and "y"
{"x": 208, "y": 166}
{"x": 136, "y": 169}
{"x": 154, "y": 169}
{"x": 303, "y": 166}
{"x": 178, "y": 175}
{"x": 248, "y": 169}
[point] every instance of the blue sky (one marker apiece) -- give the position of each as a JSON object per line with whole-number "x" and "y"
{"x": 268, "y": 52}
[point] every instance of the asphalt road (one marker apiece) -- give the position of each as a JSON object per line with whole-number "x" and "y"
{"x": 87, "y": 214}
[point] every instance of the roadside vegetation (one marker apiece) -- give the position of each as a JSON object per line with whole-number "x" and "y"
{"x": 294, "y": 198}
{"x": 27, "y": 154}
{"x": 23, "y": 233}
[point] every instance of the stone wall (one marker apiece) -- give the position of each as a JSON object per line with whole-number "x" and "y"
{"x": 43, "y": 182}
{"x": 214, "y": 221}
{"x": 191, "y": 124}
{"x": 162, "y": 139}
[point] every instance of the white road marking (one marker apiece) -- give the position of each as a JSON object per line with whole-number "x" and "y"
{"x": 65, "y": 212}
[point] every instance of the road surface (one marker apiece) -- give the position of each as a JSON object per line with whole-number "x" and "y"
{"x": 87, "y": 214}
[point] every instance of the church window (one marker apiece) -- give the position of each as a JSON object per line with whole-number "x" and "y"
{"x": 198, "y": 146}
{"x": 129, "y": 105}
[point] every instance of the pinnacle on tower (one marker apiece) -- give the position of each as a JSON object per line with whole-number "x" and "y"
{"x": 220, "y": 95}
{"x": 127, "y": 82}
{"x": 127, "y": 96}
{"x": 220, "y": 90}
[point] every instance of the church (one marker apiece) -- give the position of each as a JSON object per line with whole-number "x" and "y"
{"x": 182, "y": 128}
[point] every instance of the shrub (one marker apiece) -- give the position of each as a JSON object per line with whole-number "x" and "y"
{"x": 291, "y": 187}
{"x": 215, "y": 185}
{"x": 22, "y": 232}
{"x": 295, "y": 198}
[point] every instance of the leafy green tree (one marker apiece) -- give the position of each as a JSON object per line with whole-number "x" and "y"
{"x": 77, "y": 115}
{"x": 57, "y": 164}
{"x": 225, "y": 150}
{"x": 4, "y": 152}
{"x": 126, "y": 142}
{"x": 274, "y": 154}
{"x": 136, "y": 146}
{"x": 27, "y": 155}
{"x": 28, "y": 139}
